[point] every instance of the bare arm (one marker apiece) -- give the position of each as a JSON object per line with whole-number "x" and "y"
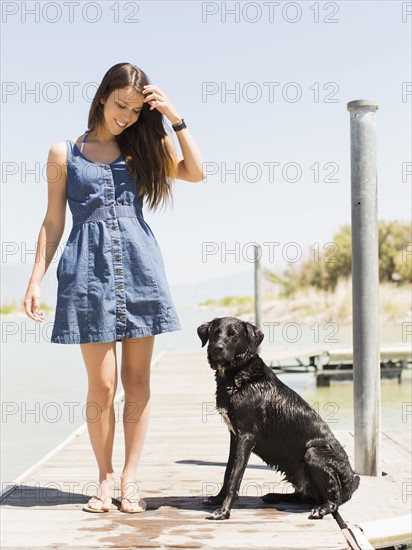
{"x": 52, "y": 227}
{"x": 190, "y": 168}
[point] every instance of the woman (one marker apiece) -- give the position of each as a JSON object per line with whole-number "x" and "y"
{"x": 111, "y": 280}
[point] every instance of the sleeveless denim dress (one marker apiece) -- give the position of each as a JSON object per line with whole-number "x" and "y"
{"x": 111, "y": 280}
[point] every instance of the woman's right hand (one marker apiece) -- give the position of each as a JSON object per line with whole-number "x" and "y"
{"x": 32, "y": 301}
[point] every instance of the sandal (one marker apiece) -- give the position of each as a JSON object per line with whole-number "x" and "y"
{"x": 140, "y": 503}
{"x": 105, "y": 507}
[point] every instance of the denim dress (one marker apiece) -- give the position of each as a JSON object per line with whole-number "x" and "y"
{"x": 111, "y": 280}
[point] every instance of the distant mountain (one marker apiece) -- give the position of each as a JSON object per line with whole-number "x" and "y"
{"x": 15, "y": 277}
{"x": 238, "y": 284}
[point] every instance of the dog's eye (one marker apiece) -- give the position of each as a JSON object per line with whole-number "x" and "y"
{"x": 231, "y": 332}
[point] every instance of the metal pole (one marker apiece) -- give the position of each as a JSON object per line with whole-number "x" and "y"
{"x": 258, "y": 287}
{"x": 365, "y": 292}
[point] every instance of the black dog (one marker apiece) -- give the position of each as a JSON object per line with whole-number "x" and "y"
{"x": 268, "y": 418}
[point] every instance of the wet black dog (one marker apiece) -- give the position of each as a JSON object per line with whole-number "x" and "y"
{"x": 268, "y": 418}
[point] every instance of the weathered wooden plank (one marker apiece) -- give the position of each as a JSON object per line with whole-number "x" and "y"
{"x": 401, "y": 438}
{"x": 172, "y": 525}
{"x": 183, "y": 460}
{"x": 389, "y": 495}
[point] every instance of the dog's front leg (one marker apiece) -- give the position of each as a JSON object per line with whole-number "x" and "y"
{"x": 243, "y": 446}
{"x": 220, "y": 497}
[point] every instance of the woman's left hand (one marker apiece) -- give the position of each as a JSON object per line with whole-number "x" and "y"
{"x": 158, "y": 100}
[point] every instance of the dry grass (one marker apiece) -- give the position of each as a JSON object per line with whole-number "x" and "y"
{"x": 312, "y": 305}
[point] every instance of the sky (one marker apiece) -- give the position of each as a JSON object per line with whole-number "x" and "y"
{"x": 263, "y": 88}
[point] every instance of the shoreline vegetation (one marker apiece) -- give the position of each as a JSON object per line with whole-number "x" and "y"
{"x": 305, "y": 305}
{"x": 311, "y": 305}
{"x": 318, "y": 287}
{"x": 13, "y": 309}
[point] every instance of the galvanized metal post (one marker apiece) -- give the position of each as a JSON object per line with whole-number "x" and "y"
{"x": 365, "y": 292}
{"x": 258, "y": 287}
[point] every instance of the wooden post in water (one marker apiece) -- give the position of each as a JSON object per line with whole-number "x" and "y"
{"x": 365, "y": 292}
{"x": 258, "y": 287}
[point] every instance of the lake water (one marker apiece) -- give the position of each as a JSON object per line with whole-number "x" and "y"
{"x": 43, "y": 386}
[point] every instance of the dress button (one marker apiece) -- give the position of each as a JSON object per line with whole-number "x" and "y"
{"x": 110, "y": 197}
{"x": 118, "y": 271}
{"x": 119, "y": 287}
{"x": 115, "y": 241}
{"x": 121, "y": 302}
{"x": 122, "y": 317}
{"x": 111, "y": 211}
{"x": 114, "y": 227}
{"x": 117, "y": 258}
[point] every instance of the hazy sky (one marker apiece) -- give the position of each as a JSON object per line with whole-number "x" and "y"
{"x": 263, "y": 87}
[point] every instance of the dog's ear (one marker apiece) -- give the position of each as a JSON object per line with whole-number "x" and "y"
{"x": 255, "y": 336}
{"x": 203, "y": 333}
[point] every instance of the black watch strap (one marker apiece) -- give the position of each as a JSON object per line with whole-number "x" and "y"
{"x": 179, "y": 125}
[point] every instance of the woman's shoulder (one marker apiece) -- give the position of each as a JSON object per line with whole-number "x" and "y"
{"x": 60, "y": 148}
{"x": 58, "y": 152}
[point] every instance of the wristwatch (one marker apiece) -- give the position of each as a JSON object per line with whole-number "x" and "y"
{"x": 179, "y": 125}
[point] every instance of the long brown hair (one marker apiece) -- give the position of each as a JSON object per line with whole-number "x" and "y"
{"x": 151, "y": 158}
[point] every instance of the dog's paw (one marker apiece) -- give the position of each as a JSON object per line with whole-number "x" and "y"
{"x": 213, "y": 501}
{"x": 219, "y": 514}
{"x": 317, "y": 513}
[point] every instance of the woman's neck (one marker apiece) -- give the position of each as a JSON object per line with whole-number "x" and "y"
{"x": 101, "y": 136}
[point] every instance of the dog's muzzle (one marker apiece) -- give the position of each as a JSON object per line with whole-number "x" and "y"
{"x": 221, "y": 354}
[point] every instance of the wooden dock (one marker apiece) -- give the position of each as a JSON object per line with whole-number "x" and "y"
{"x": 183, "y": 461}
{"x": 336, "y": 364}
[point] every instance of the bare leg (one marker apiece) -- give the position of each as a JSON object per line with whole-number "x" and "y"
{"x": 101, "y": 364}
{"x": 135, "y": 375}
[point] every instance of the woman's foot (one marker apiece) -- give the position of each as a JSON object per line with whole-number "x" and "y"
{"x": 132, "y": 506}
{"x": 98, "y": 505}
{"x": 130, "y": 501}
{"x": 102, "y": 500}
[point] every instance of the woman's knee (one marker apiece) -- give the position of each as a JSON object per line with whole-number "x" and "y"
{"x": 102, "y": 391}
{"x": 134, "y": 384}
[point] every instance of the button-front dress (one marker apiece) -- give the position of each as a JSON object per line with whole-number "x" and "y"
{"x": 111, "y": 280}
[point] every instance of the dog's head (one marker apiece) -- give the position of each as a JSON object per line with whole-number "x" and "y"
{"x": 229, "y": 338}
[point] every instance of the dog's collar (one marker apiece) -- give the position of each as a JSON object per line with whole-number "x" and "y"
{"x": 241, "y": 357}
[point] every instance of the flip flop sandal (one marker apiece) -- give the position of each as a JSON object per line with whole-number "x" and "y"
{"x": 100, "y": 510}
{"x": 140, "y": 502}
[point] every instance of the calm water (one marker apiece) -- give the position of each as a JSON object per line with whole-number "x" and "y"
{"x": 43, "y": 386}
